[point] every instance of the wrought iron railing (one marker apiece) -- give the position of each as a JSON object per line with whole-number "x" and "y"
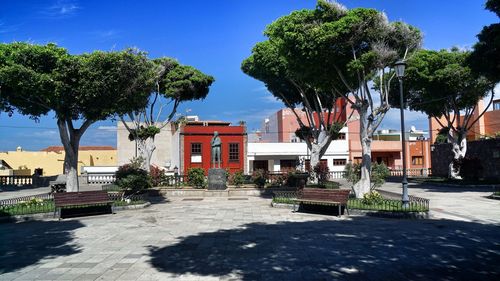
{"x": 13, "y": 201}
{"x": 416, "y": 204}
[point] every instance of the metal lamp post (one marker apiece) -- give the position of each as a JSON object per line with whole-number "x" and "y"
{"x": 399, "y": 68}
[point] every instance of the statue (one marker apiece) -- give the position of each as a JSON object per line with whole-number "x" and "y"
{"x": 216, "y": 145}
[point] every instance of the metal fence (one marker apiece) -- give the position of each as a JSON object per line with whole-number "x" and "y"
{"x": 13, "y": 201}
{"x": 389, "y": 203}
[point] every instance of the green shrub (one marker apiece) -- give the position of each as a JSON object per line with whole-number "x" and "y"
{"x": 379, "y": 173}
{"x": 259, "y": 178}
{"x": 196, "y": 177}
{"x": 238, "y": 178}
{"x": 133, "y": 179}
{"x": 371, "y": 198}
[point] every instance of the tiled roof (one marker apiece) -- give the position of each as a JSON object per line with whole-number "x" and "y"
{"x": 82, "y": 148}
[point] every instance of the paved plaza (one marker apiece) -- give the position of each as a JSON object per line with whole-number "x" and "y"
{"x": 246, "y": 239}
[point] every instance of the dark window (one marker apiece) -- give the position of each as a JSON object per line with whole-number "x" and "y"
{"x": 341, "y": 136}
{"x": 286, "y": 165}
{"x": 234, "y": 152}
{"x": 339, "y": 162}
{"x": 496, "y": 105}
{"x": 195, "y": 148}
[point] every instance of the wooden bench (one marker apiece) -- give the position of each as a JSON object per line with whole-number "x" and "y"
{"x": 325, "y": 197}
{"x": 84, "y": 199}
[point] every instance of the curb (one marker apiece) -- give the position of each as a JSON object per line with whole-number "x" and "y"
{"x": 50, "y": 216}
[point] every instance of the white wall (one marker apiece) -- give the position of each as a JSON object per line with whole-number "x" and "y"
{"x": 274, "y": 152}
{"x": 166, "y": 152}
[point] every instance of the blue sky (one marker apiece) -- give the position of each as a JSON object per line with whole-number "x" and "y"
{"x": 213, "y": 36}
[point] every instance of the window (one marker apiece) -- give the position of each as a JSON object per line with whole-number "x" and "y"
{"x": 287, "y": 165}
{"x": 341, "y": 136}
{"x": 417, "y": 160}
{"x": 358, "y": 160}
{"x": 195, "y": 148}
{"x": 339, "y": 162}
{"x": 234, "y": 152}
{"x": 496, "y": 105}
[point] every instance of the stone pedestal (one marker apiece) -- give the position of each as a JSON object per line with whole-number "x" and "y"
{"x": 217, "y": 179}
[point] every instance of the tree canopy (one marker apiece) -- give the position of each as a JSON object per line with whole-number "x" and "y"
{"x": 440, "y": 82}
{"x": 485, "y": 58}
{"x": 37, "y": 79}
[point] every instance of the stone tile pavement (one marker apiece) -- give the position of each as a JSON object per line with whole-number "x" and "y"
{"x": 221, "y": 239}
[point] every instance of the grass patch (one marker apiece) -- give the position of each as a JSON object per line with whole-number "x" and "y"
{"x": 37, "y": 206}
{"x": 496, "y": 193}
{"x": 283, "y": 200}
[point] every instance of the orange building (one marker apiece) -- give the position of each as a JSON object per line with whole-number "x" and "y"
{"x": 386, "y": 146}
{"x": 488, "y": 125}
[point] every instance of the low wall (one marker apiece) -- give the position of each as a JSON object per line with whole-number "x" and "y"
{"x": 488, "y": 151}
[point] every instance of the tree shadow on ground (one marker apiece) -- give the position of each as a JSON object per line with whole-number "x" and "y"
{"x": 25, "y": 244}
{"x": 356, "y": 249}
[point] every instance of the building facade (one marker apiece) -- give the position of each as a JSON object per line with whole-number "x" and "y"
{"x": 195, "y": 145}
{"x": 51, "y": 159}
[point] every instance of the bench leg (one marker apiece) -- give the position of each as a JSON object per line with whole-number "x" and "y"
{"x": 347, "y": 210}
{"x": 340, "y": 210}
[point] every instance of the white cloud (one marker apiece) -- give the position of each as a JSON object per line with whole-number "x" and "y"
{"x": 4, "y": 28}
{"x": 107, "y": 128}
{"x": 104, "y": 35}
{"x": 60, "y": 9}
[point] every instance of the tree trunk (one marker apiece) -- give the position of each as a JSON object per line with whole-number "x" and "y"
{"x": 71, "y": 169}
{"x": 459, "y": 148}
{"x": 146, "y": 148}
{"x": 70, "y": 138}
{"x": 363, "y": 185}
{"x": 315, "y": 158}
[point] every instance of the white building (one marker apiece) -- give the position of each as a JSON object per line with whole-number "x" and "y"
{"x": 275, "y": 157}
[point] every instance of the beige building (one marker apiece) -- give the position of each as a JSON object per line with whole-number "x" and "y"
{"x": 51, "y": 159}
{"x": 166, "y": 154}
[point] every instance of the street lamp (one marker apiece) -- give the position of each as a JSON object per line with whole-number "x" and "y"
{"x": 399, "y": 68}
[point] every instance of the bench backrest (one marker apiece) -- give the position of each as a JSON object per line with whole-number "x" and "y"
{"x": 335, "y": 195}
{"x": 81, "y": 198}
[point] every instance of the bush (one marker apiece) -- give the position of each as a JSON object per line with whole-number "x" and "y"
{"x": 379, "y": 173}
{"x": 322, "y": 172}
{"x": 259, "y": 178}
{"x": 196, "y": 177}
{"x": 371, "y": 198}
{"x": 131, "y": 178}
{"x": 158, "y": 176}
{"x": 238, "y": 178}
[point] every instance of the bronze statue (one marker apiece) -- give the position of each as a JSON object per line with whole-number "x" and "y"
{"x": 216, "y": 145}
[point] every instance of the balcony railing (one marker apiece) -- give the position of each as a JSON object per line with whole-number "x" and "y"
{"x": 16, "y": 180}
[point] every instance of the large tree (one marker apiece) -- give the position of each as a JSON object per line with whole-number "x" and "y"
{"x": 485, "y": 58}
{"x": 334, "y": 52}
{"x": 78, "y": 89}
{"x": 174, "y": 84}
{"x": 441, "y": 84}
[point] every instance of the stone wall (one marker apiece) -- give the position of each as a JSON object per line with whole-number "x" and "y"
{"x": 488, "y": 151}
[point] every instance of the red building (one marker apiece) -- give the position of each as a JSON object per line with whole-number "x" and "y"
{"x": 195, "y": 138}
